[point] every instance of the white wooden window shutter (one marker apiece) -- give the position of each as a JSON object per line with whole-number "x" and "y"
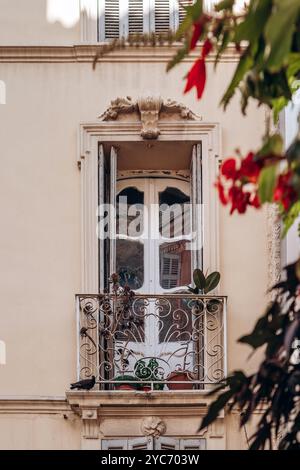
{"x": 166, "y": 443}
{"x": 182, "y": 11}
{"x": 118, "y": 18}
{"x": 197, "y": 210}
{"x": 112, "y": 19}
{"x": 140, "y": 443}
{"x": 192, "y": 444}
{"x": 135, "y": 16}
{"x": 101, "y": 202}
{"x": 112, "y": 219}
{"x": 114, "y": 444}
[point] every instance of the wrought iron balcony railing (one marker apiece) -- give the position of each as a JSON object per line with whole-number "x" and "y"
{"x": 158, "y": 342}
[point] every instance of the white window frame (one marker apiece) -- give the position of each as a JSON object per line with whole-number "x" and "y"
{"x": 92, "y": 135}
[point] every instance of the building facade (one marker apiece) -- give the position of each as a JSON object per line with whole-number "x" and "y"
{"x": 74, "y": 138}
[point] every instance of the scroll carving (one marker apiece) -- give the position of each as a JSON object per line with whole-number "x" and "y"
{"x": 149, "y": 110}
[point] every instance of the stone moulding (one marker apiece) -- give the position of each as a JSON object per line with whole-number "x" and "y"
{"x": 149, "y": 110}
{"x": 86, "y": 52}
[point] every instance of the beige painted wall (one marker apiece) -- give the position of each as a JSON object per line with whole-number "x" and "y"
{"x": 38, "y": 432}
{"x": 39, "y": 22}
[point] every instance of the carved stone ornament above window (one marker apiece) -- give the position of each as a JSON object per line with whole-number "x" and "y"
{"x": 149, "y": 110}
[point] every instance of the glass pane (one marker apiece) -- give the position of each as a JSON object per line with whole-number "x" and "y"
{"x": 130, "y": 263}
{"x": 175, "y": 264}
{"x": 130, "y": 210}
{"x": 174, "y": 213}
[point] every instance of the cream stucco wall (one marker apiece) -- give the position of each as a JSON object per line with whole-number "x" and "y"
{"x": 40, "y": 244}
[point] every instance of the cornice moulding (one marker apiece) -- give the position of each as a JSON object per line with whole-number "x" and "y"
{"x": 87, "y": 53}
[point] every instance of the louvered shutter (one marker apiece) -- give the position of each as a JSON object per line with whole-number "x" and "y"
{"x": 166, "y": 443}
{"x": 192, "y": 444}
{"x": 140, "y": 443}
{"x": 135, "y": 16}
{"x": 162, "y": 16}
{"x": 112, "y": 19}
{"x": 182, "y": 10}
{"x": 114, "y": 444}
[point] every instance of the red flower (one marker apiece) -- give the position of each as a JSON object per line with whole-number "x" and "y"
{"x": 197, "y": 77}
{"x": 221, "y": 191}
{"x": 255, "y": 202}
{"x": 250, "y": 169}
{"x": 239, "y": 199}
{"x": 198, "y": 28}
{"x": 284, "y": 192}
{"x": 207, "y": 47}
{"x": 228, "y": 169}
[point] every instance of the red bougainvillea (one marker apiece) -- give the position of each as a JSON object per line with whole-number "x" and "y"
{"x": 284, "y": 193}
{"x": 197, "y": 75}
{"x": 237, "y": 183}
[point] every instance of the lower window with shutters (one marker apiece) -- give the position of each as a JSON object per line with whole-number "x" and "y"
{"x": 150, "y": 443}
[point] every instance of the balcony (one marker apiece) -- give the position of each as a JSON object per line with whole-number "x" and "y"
{"x": 152, "y": 342}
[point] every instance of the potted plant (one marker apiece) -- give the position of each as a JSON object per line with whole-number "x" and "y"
{"x": 148, "y": 372}
{"x": 128, "y": 382}
{"x": 204, "y": 284}
{"x": 178, "y": 376}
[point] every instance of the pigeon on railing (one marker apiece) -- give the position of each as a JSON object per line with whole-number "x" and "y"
{"x": 85, "y": 384}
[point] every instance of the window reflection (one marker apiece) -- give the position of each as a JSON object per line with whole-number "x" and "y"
{"x": 130, "y": 263}
{"x": 130, "y": 209}
{"x": 174, "y": 213}
{"x": 175, "y": 264}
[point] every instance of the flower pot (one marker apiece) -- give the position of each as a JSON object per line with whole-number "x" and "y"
{"x": 179, "y": 376}
{"x": 127, "y": 382}
{"x": 146, "y": 388}
{"x": 125, "y": 387}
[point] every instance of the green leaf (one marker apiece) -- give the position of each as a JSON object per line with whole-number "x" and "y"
{"x": 245, "y": 63}
{"x": 212, "y": 281}
{"x": 199, "y": 279}
{"x": 178, "y": 57}
{"x": 272, "y": 146}
{"x": 290, "y": 218}
{"x": 266, "y": 183}
{"x": 193, "y": 13}
{"x": 279, "y": 32}
{"x": 215, "y": 408}
{"x": 225, "y": 41}
{"x": 224, "y": 5}
{"x": 294, "y": 64}
{"x": 252, "y": 27}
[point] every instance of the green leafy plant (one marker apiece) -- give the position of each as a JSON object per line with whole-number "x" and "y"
{"x": 126, "y": 379}
{"x": 148, "y": 372}
{"x": 204, "y": 284}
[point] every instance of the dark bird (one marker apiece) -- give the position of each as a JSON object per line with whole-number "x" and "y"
{"x": 85, "y": 384}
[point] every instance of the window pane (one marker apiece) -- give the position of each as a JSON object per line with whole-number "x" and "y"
{"x": 130, "y": 263}
{"x": 174, "y": 213}
{"x": 130, "y": 212}
{"x": 175, "y": 264}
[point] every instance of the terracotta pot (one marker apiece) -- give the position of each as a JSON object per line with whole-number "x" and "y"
{"x": 124, "y": 387}
{"x": 179, "y": 376}
{"x": 146, "y": 388}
